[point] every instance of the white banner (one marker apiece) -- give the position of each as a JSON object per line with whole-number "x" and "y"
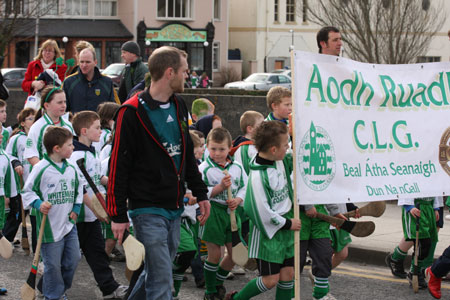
{"x": 366, "y": 132}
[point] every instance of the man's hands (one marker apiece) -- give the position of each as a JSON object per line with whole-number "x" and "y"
{"x": 312, "y": 212}
{"x": 118, "y": 229}
{"x": 73, "y": 216}
{"x": 415, "y": 212}
{"x": 205, "y": 208}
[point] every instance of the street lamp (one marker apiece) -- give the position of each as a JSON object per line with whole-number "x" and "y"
{"x": 205, "y": 43}
{"x": 148, "y": 43}
{"x": 291, "y": 47}
{"x": 65, "y": 39}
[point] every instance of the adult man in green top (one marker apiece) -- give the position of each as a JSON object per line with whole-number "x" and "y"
{"x": 134, "y": 71}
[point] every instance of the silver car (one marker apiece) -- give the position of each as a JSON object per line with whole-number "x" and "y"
{"x": 261, "y": 81}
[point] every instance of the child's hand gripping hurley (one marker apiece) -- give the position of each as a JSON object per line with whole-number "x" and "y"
{"x": 134, "y": 250}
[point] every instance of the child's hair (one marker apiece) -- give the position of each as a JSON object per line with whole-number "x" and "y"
{"x": 2, "y": 103}
{"x": 106, "y": 111}
{"x": 196, "y": 139}
{"x": 219, "y": 135}
{"x": 202, "y": 107}
{"x": 21, "y": 116}
{"x": 56, "y": 136}
{"x": 249, "y": 118}
{"x": 275, "y": 95}
{"x": 81, "y": 45}
{"x": 268, "y": 134}
{"x": 84, "y": 119}
{"x": 44, "y": 93}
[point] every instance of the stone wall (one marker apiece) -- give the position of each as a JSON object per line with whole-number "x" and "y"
{"x": 228, "y": 107}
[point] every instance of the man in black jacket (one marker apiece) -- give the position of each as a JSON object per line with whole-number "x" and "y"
{"x": 152, "y": 160}
{"x": 87, "y": 88}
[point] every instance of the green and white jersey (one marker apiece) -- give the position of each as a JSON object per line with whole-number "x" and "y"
{"x": 106, "y": 133}
{"x": 16, "y": 149}
{"x": 269, "y": 196}
{"x": 271, "y": 117}
{"x": 106, "y": 152}
{"x": 8, "y": 186}
{"x": 6, "y": 133}
{"x": 35, "y": 141}
{"x": 60, "y": 185}
{"x": 244, "y": 154}
{"x": 93, "y": 167}
{"x": 212, "y": 175}
{"x": 436, "y": 201}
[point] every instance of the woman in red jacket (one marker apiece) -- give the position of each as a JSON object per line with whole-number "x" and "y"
{"x": 45, "y": 59}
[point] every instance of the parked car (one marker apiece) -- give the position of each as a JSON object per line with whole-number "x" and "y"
{"x": 13, "y": 77}
{"x": 113, "y": 71}
{"x": 286, "y": 72}
{"x": 260, "y": 81}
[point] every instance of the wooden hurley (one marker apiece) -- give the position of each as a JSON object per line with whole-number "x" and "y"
{"x": 373, "y": 209}
{"x": 6, "y": 249}
{"x": 134, "y": 250}
{"x": 24, "y": 242}
{"x": 415, "y": 277}
{"x": 27, "y": 292}
{"x": 359, "y": 229}
{"x": 240, "y": 250}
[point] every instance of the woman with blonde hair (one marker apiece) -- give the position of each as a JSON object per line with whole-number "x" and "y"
{"x": 45, "y": 59}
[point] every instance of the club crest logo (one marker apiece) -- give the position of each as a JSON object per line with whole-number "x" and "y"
{"x": 317, "y": 162}
{"x": 97, "y": 92}
{"x": 444, "y": 151}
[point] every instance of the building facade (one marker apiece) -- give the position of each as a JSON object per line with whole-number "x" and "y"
{"x": 264, "y": 31}
{"x": 200, "y": 27}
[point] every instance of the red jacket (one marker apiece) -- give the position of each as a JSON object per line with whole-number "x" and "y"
{"x": 34, "y": 69}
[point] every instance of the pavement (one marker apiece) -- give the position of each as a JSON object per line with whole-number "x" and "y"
{"x": 388, "y": 233}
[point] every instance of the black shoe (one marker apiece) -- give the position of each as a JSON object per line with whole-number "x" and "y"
{"x": 200, "y": 283}
{"x": 421, "y": 280}
{"x": 221, "y": 291}
{"x": 117, "y": 256}
{"x": 212, "y": 297}
{"x": 396, "y": 266}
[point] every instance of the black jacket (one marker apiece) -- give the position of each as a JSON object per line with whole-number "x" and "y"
{"x": 141, "y": 170}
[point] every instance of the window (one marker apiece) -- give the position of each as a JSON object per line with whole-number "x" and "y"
{"x": 426, "y": 59}
{"x": 106, "y": 8}
{"x": 216, "y": 56}
{"x": 98, "y": 52}
{"x": 113, "y": 52}
{"x": 305, "y": 11}
{"x": 197, "y": 56}
{"x": 49, "y": 7}
{"x": 290, "y": 10}
{"x": 177, "y": 9}
{"x": 77, "y": 7}
{"x": 283, "y": 79}
{"x": 275, "y": 11}
{"x": 217, "y": 10}
{"x": 15, "y": 7}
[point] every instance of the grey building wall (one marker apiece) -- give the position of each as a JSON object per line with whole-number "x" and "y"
{"x": 228, "y": 107}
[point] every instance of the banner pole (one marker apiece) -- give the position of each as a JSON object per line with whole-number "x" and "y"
{"x": 295, "y": 202}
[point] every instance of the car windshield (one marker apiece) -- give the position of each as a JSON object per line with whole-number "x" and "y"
{"x": 114, "y": 69}
{"x": 257, "y": 78}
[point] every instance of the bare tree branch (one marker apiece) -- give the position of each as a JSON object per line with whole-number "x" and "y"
{"x": 381, "y": 31}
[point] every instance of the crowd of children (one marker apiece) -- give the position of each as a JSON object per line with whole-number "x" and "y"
{"x": 38, "y": 162}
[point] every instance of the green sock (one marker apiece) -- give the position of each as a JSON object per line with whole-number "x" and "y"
{"x": 210, "y": 271}
{"x": 177, "y": 280}
{"x": 321, "y": 287}
{"x": 221, "y": 275}
{"x": 399, "y": 254}
{"x": 251, "y": 289}
{"x": 284, "y": 290}
{"x": 428, "y": 261}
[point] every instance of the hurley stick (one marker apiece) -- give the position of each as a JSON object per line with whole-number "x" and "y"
{"x": 359, "y": 229}
{"x": 134, "y": 250}
{"x": 6, "y": 248}
{"x": 27, "y": 292}
{"x": 415, "y": 277}
{"x": 240, "y": 251}
{"x": 373, "y": 209}
{"x": 25, "y": 244}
